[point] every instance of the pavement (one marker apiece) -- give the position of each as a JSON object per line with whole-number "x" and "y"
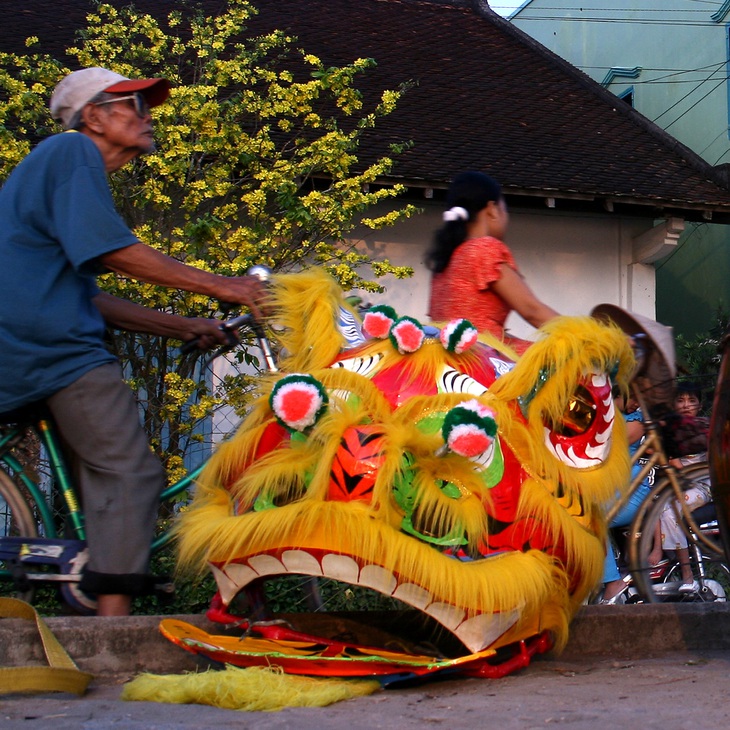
{"x": 654, "y": 666}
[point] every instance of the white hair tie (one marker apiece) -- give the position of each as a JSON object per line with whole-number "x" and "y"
{"x": 456, "y": 214}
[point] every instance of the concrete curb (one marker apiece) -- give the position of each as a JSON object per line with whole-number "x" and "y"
{"x": 101, "y": 645}
{"x": 643, "y": 630}
{"x": 114, "y": 646}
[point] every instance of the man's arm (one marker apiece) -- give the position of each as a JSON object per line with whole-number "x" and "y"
{"x": 144, "y": 263}
{"x": 126, "y": 315}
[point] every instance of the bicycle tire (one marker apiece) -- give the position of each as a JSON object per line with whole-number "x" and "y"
{"x": 16, "y": 520}
{"x": 641, "y": 540}
{"x": 719, "y": 446}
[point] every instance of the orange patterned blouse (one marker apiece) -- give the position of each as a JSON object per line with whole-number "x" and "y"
{"x": 463, "y": 288}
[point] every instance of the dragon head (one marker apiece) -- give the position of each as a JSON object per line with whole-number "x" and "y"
{"x": 433, "y": 468}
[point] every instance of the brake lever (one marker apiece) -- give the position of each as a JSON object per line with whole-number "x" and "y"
{"x": 191, "y": 345}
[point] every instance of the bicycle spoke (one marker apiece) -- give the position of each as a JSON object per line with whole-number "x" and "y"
{"x": 16, "y": 520}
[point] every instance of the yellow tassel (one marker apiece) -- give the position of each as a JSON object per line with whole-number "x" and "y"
{"x": 307, "y": 305}
{"x": 254, "y": 689}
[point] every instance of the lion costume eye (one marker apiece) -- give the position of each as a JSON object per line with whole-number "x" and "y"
{"x": 579, "y": 414}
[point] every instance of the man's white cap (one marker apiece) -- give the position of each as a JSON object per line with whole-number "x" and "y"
{"x": 77, "y": 89}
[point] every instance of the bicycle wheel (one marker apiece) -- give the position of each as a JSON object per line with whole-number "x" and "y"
{"x": 719, "y": 446}
{"x": 16, "y": 520}
{"x": 661, "y": 583}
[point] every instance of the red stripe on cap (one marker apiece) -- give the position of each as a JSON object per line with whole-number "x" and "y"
{"x": 155, "y": 90}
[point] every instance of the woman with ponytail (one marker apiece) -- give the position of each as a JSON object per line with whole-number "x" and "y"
{"x": 474, "y": 274}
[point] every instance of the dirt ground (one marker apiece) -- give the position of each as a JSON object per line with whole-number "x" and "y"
{"x": 669, "y": 692}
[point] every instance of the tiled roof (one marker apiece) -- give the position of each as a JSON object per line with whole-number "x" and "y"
{"x": 487, "y": 96}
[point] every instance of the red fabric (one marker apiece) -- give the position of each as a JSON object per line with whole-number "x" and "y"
{"x": 685, "y": 435}
{"x": 463, "y": 289}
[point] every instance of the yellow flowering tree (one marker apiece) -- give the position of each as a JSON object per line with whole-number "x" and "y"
{"x": 257, "y": 163}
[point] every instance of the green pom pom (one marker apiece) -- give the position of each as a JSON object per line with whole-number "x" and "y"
{"x": 460, "y": 416}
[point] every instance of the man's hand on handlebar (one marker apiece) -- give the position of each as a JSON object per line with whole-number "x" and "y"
{"x": 248, "y": 290}
{"x": 206, "y": 334}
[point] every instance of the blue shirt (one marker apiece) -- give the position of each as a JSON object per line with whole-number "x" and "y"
{"x": 57, "y": 217}
{"x": 648, "y": 480}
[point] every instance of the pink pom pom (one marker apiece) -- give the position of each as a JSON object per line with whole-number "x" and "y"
{"x": 376, "y": 324}
{"x": 469, "y": 440}
{"x": 297, "y": 404}
{"x": 469, "y": 429}
{"x": 467, "y": 340}
{"x": 458, "y": 335}
{"x": 408, "y": 335}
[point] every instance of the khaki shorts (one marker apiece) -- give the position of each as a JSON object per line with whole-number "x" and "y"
{"x": 117, "y": 474}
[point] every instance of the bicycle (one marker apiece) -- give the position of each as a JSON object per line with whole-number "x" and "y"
{"x": 659, "y": 583}
{"x": 706, "y": 555}
{"x": 42, "y": 536}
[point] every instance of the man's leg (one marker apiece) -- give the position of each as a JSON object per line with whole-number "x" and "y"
{"x": 113, "y": 604}
{"x": 120, "y": 480}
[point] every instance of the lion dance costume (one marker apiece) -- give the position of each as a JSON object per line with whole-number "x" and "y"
{"x": 427, "y": 464}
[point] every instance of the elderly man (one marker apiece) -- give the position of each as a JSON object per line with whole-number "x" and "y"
{"x": 58, "y": 230}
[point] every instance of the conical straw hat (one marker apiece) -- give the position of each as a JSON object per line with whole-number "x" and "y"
{"x": 661, "y": 364}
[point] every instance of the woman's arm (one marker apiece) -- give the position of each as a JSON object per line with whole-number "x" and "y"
{"x": 512, "y": 288}
{"x": 634, "y": 431}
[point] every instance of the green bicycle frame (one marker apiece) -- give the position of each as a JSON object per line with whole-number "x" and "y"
{"x": 63, "y": 484}
{"x": 50, "y": 442}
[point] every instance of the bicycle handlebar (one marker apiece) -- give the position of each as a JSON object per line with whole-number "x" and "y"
{"x": 230, "y": 327}
{"x": 192, "y": 345}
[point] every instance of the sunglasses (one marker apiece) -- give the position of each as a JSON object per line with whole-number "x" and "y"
{"x": 141, "y": 107}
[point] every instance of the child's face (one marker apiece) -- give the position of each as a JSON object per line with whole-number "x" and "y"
{"x": 687, "y": 404}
